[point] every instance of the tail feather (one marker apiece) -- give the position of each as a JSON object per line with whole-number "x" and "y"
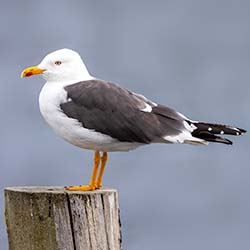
{"x": 209, "y": 132}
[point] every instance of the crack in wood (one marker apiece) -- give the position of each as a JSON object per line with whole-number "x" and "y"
{"x": 120, "y": 225}
{"x": 106, "y": 231}
{"x": 71, "y": 220}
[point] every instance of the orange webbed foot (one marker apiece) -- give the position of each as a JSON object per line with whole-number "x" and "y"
{"x": 81, "y": 188}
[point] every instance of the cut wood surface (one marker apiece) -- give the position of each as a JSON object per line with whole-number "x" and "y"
{"x": 50, "y": 218}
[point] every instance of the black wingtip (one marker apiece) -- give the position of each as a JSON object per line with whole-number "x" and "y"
{"x": 223, "y": 140}
{"x": 242, "y": 131}
{"x": 228, "y": 142}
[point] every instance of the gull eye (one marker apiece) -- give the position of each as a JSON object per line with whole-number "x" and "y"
{"x": 58, "y": 62}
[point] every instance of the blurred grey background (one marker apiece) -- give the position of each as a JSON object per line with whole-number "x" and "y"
{"x": 191, "y": 55}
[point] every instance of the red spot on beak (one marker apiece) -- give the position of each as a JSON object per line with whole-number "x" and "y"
{"x": 28, "y": 74}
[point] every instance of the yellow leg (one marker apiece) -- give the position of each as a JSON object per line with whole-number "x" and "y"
{"x": 91, "y": 185}
{"x": 101, "y": 171}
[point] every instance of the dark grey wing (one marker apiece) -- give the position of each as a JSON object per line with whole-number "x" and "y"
{"x": 109, "y": 109}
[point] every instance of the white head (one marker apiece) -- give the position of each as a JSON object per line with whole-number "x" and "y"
{"x": 62, "y": 65}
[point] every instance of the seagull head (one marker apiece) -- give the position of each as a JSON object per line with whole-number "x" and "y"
{"x": 61, "y": 65}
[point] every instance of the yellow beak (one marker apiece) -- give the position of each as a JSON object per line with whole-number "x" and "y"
{"x": 32, "y": 71}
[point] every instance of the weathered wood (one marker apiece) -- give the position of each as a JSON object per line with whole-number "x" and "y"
{"x": 41, "y": 218}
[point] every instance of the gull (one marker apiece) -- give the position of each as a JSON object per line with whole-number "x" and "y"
{"x": 104, "y": 117}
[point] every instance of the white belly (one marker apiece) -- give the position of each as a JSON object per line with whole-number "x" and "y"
{"x": 71, "y": 130}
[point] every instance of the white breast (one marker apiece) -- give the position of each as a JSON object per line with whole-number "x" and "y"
{"x": 51, "y": 96}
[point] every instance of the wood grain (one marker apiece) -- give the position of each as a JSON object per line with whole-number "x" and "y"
{"x": 41, "y": 218}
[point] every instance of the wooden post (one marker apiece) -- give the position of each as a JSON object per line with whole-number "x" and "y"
{"x": 42, "y": 218}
